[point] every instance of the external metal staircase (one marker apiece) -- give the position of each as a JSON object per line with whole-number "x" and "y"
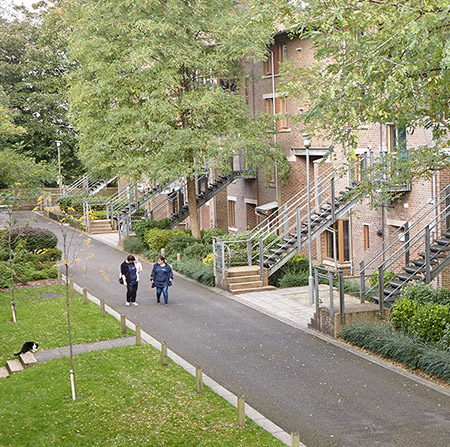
{"x": 417, "y": 251}
{"x": 280, "y": 237}
{"x": 88, "y": 185}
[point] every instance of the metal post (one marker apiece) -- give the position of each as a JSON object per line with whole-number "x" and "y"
{"x": 261, "y": 256}
{"x": 299, "y": 230}
{"x": 406, "y": 245}
{"x": 308, "y": 198}
{"x": 447, "y": 207}
{"x": 427, "y": 255}
{"x": 214, "y": 256}
{"x": 286, "y": 224}
{"x": 316, "y": 289}
{"x": 362, "y": 283}
{"x": 330, "y": 284}
{"x": 341, "y": 297}
{"x": 223, "y": 260}
{"x": 249, "y": 251}
{"x": 381, "y": 289}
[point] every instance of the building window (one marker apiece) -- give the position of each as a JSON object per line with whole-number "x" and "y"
{"x": 268, "y": 64}
{"x": 268, "y": 106}
{"x": 366, "y": 237}
{"x": 396, "y": 138}
{"x": 342, "y": 229}
{"x": 282, "y": 48}
{"x": 283, "y": 122}
{"x": 231, "y": 214}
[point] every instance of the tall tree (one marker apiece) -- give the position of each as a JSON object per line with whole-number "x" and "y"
{"x": 376, "y": 62}
{"x": 32, "y": 75}
{"x": 145, "y": 96}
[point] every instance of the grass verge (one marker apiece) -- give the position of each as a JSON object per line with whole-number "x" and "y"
{"x": 44, "y": 321}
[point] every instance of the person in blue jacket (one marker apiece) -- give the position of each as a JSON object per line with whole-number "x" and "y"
{"x": 161, "y": 278}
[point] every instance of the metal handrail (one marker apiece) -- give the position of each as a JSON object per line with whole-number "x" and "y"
{"x": 393, "y": 238}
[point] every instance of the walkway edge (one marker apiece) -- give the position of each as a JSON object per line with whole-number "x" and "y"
{"x": 254, "y": 415}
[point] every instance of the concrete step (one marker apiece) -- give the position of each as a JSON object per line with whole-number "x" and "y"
{"x": 245, "y": 285}
{"x": 258, "y": 289}
{"x": 4, "y": 373}
{"x": 241, "y": 279}
{"x": 242, "y": 271}
{"x": 27, "y": 359}
{"x": 14, "y": 366}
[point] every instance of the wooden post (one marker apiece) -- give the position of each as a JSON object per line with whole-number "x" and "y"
{"x": 71, "y": 286}
{"x": 199, "y": 379}
{"x": 164, "y": 361}
{"x": 295, "y": 440}
{"x": 138, "y": 335}
{"x": 85, "y": 300}
{"x": 123, "y": 323}
{"x": 58, "y": 271}
{"x": 178, "y": 257}
{"x": 163, "y": 251}
{"x": 102, "y": 308}
{"x": 241, "y": 410}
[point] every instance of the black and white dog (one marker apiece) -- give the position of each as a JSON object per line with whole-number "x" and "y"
{"x": 29, "y": 346}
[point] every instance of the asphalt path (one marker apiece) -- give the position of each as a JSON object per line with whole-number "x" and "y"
{"x": 302, "y": 383}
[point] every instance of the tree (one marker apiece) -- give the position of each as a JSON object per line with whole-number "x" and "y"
{"x": 145, "y": 96}
{"x": 376, "y": 62}
{"x": 32, "y": 75}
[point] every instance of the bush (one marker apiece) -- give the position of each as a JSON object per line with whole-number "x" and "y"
{"x": 196, "y": 270}
{"x": 34, "y": 238}
{"x": 133, "y": 245}
{"x": 207, "y": 235}
{"x": 428, "y": 321}
{"x": 140, "y": 227}
{"x": 157, "y": 239}
{"x": 197, "y": 251}
{"x": 298, "y": 265}
{"x": 98, "y": 215}
{"x": 75, "y": 202}
{"x": 387, "y": 275}
{"x": 294, "y": 280}
{"x": 151, "y": 255}
{"x": 179, "y": 243}
{"x": 383, "y": 340}
{"x": 209, "y": 259}
{"x": 49, "y": 255}
{"x": 426, "y": 293}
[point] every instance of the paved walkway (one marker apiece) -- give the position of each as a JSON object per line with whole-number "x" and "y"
{"x": 302, "y": 381}
{"x": 50, "y": 354}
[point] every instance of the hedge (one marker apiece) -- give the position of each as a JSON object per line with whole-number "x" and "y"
{"x": 34, "y": 238}
{"x": 196, "y": 270}
{"x": 382, "y": 339}
{"x": 157, "y": 238}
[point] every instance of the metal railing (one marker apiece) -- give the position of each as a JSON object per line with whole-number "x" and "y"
{"x": 291, "y": 223}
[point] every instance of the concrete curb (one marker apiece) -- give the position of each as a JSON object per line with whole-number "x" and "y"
{"x": 250, "y": 412}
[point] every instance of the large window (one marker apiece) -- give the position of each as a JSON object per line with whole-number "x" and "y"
{"x": 342, "y": 252}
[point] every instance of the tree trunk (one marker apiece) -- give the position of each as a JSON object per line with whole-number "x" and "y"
{"x": 193, "y": 210}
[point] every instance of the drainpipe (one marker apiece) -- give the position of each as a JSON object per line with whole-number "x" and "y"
{"x": 274, "y": 121}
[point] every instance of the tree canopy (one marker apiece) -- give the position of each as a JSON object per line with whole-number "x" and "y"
{"x": 376, "y": 62}
{"x": 32, "y": 76}
{"x": 145, "y": 96}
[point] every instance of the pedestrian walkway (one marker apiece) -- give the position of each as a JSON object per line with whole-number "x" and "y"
{"x": 50, "y": 354}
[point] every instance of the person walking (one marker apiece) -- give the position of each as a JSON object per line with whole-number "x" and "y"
{"x": 161, "y": 277}
{"x": 130, "y": 279}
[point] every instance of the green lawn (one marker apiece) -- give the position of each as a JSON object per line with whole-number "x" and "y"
{"x": 44, "y": 321}
{"x": 125, "y": 397}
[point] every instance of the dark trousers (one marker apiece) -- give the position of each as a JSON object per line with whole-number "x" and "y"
{"x": 131, "y": 292}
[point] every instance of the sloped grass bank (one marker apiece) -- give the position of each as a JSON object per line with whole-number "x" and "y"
{"x": 44, "y": 321}
{"x": 125, "y": 398}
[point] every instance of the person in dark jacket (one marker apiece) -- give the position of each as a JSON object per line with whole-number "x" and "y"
{"x": 161, "y": 278}
{"x": 130, "y": 279}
